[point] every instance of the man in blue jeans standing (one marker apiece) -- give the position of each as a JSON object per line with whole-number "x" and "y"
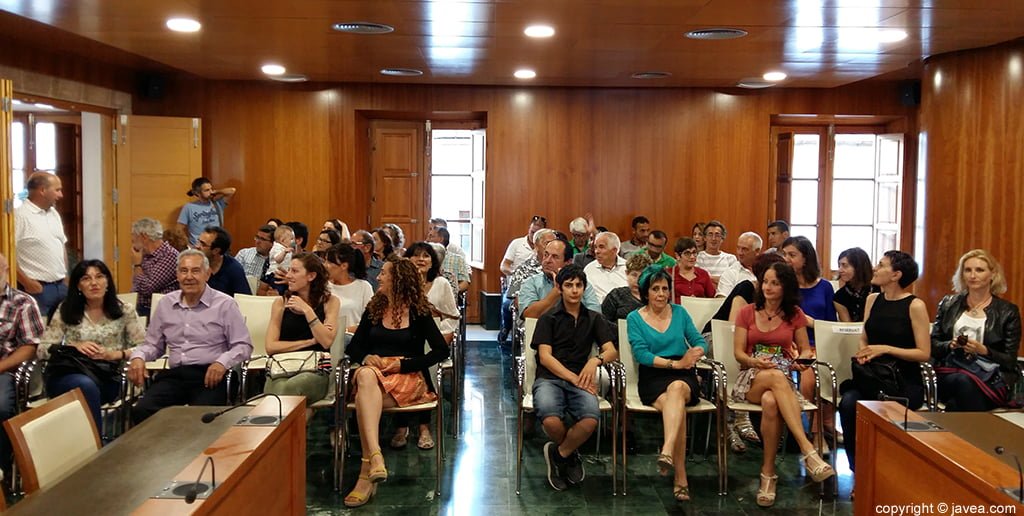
{"x": 20, "y": 328}
{"x": 566, "y": 382}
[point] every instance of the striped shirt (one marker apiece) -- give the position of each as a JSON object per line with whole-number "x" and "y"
{"x": 20, "y": 321}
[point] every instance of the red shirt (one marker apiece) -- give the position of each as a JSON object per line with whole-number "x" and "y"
{"x": 699, "y": 286}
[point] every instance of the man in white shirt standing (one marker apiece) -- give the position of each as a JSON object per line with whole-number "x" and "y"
{"x": 608, "y": 271}
{"x": 40, "y": 241}
{"x": 713, "y": 259}
{"x": 519, "y": 250}
{"x": 748, "y": 247}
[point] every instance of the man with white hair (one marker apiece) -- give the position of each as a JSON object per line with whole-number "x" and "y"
{"x": 203, "y": 334}
{"x": 529, "y": 267}
{"x": 154, "y": 263}
{"x": 608, "y": 271}
{"x": 748, "y": 247}
{"x": 580, "y": 231}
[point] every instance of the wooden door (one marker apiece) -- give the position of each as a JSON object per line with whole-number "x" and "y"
{"x": 69, "y": 170}
{"x": 398, "y": 180}
{"x": 157, "y": 159}
{"x": 6, "y": 187}
{"x": 784, "y": 175}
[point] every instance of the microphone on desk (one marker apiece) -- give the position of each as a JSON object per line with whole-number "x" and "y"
{"x": 1020, "y": 472}
{"x": 906, "y": 406}
{"x": 210, "y": 416}
{"x": 193, "y": 492}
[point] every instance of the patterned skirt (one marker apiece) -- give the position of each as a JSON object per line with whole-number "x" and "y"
{"x": 407, "y": 388}
{"x": 746, "y": 378}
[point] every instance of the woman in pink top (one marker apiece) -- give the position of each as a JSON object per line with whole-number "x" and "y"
{"x": 687, "y": 279}
{"x": 770, "y": 335}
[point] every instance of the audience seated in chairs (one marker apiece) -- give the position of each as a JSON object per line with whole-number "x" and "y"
{"x": 895, "y": 328}
{"x": 442, "y": 300}
{"x": 667, "y": 347}
{"x": 19, "y": 337}
{"x": 770, "y": 334}
{"x": 976, "y": 337}
{"x": 748, "y": 248}
{"x": 394, "y": 372}
{"x": 566, "y": 382}
{"x": 608, "y": 270}
{"x": 303, "y": 323}
{"x": 201, "y": 353}
{"x": 89, "y": 337}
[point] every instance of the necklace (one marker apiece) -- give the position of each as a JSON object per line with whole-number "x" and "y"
{"x": 396, "y": 316}
{"x": 979, "y": 308}
{"x": 774, "y": 315}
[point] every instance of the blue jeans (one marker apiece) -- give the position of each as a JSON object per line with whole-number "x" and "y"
{"x": 559, "y": 398}
{"x": 50, "y": 297}
{"x": 95, "y": 395}
{"x": 6, "y": 412}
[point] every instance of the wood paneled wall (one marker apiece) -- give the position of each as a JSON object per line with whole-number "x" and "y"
{"x": 973, "y": 121}
{"x": 675, "y": 155}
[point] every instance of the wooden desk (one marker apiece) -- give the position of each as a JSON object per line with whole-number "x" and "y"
{"x": 260, "y": 470}
{"x": 899, "y": 468}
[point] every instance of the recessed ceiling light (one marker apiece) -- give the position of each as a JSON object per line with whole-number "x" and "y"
{"x": 358, "y": 27}
{"x": 716, "y": 33}
{"x": 401, "y": 72}
{"x": 539, "y": 31}
{"x": 891, "y": 35}
{"x": 525, "y": 74}
{"x": 754, "y": 83}
{"x": 183, "y": 25}
{"x": 273, "y": 69}
{"x": 774, "y": 76}
{"x": 290, "y": 77}
{"x": 651, "y": 75}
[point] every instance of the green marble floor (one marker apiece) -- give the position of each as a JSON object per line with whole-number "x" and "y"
{"x": 479, "y": 474}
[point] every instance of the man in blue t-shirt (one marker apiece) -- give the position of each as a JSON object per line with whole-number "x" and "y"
{"x": 207, "y": 210}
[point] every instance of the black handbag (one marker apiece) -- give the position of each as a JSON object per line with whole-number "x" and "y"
{"x": 877, "y": 377}
{"x": 65, "y": 360}
{"x": 983, "y": 371}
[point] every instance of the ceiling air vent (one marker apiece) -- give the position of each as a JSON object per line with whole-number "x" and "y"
{"x": 362, "y": 28}
{"x": 651, "y": 75}
{"x": 401, "y": 72}
{"x": 716, "y": 33}
{"x": 289, "y": 77}
{"x": 755, "y": 83}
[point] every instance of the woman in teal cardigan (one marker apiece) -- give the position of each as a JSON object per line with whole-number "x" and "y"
{"x": 667, "y": 347}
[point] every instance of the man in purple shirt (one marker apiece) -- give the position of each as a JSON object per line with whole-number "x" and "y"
{"x": 203, "y": 334}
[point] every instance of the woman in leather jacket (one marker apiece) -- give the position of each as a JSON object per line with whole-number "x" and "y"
{"x": 988, "y": 327}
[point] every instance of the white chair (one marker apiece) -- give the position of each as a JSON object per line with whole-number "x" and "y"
{"x": 129, "y": 297}
{"x": 631, "y": 403}
{"x": 256, "y": 310}
{"x": 722, "y": 333}
{"x": 162, "y": 362}
{"x": 254, "y": 282}
{"x": 836, "y": 343}
{"x": 701, "y": 309}
{"x": 526, "y": 373}
{"x": 53, "y": 440}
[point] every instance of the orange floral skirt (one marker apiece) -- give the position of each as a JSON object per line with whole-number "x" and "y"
{"x": 406, "y": 388}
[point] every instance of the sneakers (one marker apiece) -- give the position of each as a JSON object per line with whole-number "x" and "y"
{"x": 574, "y": 472}
{"x": 556, "y": 467}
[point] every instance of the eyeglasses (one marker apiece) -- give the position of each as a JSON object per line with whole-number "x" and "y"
{"x": 713, "y": 235}
{"x": 324, "y": 240}
{"x": 262, "y": 239}
{"x": 691, "y": 253}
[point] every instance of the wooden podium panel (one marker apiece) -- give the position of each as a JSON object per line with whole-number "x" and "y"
{"x": 895, "y": 467}
{"x": 260, "y": 470}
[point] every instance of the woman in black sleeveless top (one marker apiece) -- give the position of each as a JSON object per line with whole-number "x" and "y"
{"x": 896, "y": 324}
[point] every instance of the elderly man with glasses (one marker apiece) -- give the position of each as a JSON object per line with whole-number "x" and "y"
{"x": 154, "y": 263}
{"x": 713, "y": 259}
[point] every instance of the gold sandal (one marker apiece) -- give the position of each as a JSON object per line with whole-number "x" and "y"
{"x": 766, "y": 491}
{"x": 681, "y": 493}
{"x": 379, "y": 474}
{"x": 820, "y": 469}
{"x": 359, "y": 499}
